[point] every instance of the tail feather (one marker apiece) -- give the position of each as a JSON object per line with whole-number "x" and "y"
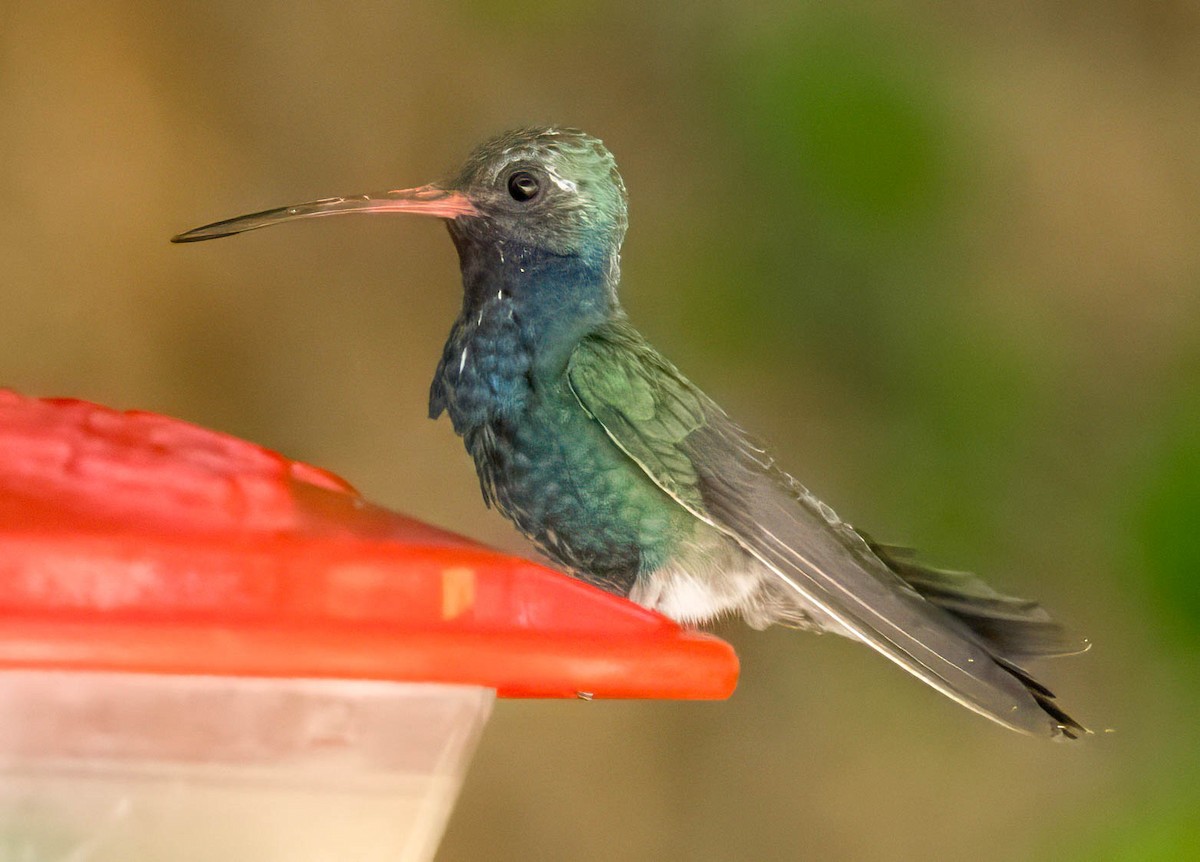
{"x": 1013, "y": 627}
{"x": 1009, "y": 627}
{"x": 1068, "y": 726}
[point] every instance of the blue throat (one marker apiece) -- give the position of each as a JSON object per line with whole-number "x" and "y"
{"x": 555, "y": 298}
{"x": 524, "y": 310}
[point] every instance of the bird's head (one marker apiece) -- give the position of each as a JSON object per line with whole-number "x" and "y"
{"x": 549, "y": 188}
{"x": 554, "y": 189}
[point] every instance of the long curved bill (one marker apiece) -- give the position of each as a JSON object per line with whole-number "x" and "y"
{"x": 423, "y": 200}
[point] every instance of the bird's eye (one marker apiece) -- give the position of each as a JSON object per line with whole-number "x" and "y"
{"x": 523, "y": 186}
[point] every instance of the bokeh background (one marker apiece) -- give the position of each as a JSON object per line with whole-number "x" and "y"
{"x": 944, "y": 256}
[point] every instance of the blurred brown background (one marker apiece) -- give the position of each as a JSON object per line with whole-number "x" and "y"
{"x": 946, "y": 260}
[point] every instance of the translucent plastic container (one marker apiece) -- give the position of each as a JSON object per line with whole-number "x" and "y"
{"x": 118, "y": 767}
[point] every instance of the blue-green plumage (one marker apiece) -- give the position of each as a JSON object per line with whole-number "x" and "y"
{"x": 542, "y": 460}
{"x": 631, "y": 478}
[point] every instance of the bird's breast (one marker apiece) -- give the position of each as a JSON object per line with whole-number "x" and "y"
{"x": 559, "y": 478}
{"x": 547, "y": 465}
{"x": 485, "y": 368}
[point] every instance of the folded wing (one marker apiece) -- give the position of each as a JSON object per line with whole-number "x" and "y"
{"x": 695, "y": 453}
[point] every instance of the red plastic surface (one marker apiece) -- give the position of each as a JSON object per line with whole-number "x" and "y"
{"x": 131, "y": 541}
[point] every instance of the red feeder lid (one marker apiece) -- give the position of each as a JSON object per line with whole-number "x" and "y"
{"x": 132, "y": 541}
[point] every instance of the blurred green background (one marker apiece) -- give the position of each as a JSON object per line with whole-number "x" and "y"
{"x": 946, "y": 259}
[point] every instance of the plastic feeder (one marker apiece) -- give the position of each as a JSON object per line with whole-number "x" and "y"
{"x": 211, "y": 652}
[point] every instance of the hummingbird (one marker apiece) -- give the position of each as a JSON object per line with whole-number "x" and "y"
{"x": 632, "y": 479}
